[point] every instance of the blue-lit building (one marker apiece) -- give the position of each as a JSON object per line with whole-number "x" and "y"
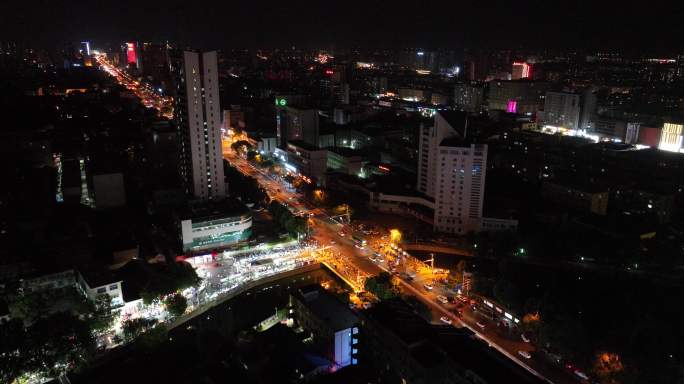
{"x": 333, "y": 326}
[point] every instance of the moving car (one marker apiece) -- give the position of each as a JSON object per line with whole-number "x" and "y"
{"x": 428, "y": 287}
{"x": 524, "y": 354}
{"x": 442, "y": 299}
{"x": 445, "y": 320}
{"x": 581, "y": 374}
{"x": 524, "y": 337}
{"x": 481, "y": 325}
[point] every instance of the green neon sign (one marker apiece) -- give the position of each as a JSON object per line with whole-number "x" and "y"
{"x": 281, "y": 102}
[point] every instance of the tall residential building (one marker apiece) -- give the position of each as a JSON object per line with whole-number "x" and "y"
{"x": 198, "y": 118}
{"x": 460, "y": 184}
{"x": 446, "y": 125}
{"x": 452, "y": 171}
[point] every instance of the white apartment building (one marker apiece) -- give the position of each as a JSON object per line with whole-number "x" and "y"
{"x": 452, "y": 172}
{"x": 460, "y": 183}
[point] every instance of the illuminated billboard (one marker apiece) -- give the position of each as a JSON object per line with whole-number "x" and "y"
{"x": 521, "y": 70}
{"x": 671, "y": 137}
{"x": 130, "y": 53}
{"x": 512, "y": 106}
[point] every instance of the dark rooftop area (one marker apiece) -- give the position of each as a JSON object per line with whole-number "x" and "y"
{"x": 326, "y": 307}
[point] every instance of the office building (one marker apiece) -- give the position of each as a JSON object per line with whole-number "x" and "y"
{"x": 671, "y": 137}
{"x": 562, "y": 109}
{"x": 305, "y": 159}
{"x": 213, "y": 225}
{"x": 298, "y": 124}
{"x": 155, "y": 64}
{"x": 198, "y": 119}
{"x": 517, "y": 96}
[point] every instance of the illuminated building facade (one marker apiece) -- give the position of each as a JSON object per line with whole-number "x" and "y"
{"x": 334, "y": 327}
{"x": 521, "y": 70}
{"x": 214, "y": 225}
{"x": 671, "y": 137}
{"x": 452, "y": 171}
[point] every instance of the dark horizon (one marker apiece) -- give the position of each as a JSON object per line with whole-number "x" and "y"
{"x": 525, "y": 24}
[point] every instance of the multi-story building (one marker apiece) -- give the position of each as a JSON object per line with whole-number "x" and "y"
{"x": 562, "y": 109}
{"x": 468, "y": 97}
{"x": 583, "y": 199}
{"x": 569, "y": 110}
{"x": 447, "y": 124}
{"x": 333, "y": 326}
{"x": 671, "y": 137}
{"x": 214, "y": 225}
{"x": 294, "y": 123}
{"x": 452, "y": 171}
{"x": 305, "y": 159}
{"x": 517, "y": 96}
{"x": 198, "y": 119}
{"x": 233, "y": 118}
{"x": 460, "y": 183}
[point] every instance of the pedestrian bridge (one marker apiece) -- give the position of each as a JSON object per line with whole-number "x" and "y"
{"x": 436, "y": 248}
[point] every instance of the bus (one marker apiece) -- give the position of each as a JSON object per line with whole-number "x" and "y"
{"x": 359, "y": 241}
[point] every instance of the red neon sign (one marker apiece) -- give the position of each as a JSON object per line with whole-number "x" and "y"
{"x": 130, "y": 53}
{"x": 526, "y": 69}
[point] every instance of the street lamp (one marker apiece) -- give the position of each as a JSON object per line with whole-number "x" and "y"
{"x": 395, "y": 236}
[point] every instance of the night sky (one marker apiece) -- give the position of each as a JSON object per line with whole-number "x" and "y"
{"x": 651, "y": 25}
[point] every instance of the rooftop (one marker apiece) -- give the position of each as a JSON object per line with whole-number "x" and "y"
{"x": 326, "y": 307}
{"x": 457, "y": 119}
{"x": 208, "y": 210}
{"x": 303, "y": 145}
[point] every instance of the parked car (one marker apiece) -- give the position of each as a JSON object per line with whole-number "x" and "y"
{"x": 445, "y": 320}
{"x": 524, "y": 337}
{"x": 428, "y": 287}
{"x": 524, "y": 354}
{"x": 481, "y": 325}
{"x": 442, "y": 299}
